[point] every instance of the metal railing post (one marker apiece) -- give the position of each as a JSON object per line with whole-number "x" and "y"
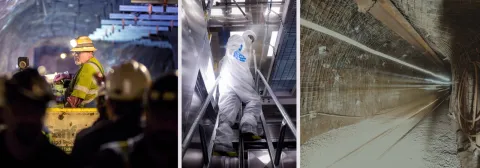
{"x": 188, "y": 137}
{"x": 279, "y": 106}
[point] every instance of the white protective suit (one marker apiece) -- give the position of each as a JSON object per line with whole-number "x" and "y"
{"x": 236, "y": 86}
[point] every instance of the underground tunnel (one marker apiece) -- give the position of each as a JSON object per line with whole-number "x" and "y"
{"x": 42, "y": 31}
{"x": 389, "y": 83}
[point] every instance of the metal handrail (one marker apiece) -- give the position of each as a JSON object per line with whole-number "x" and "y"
{"x": 188, "y": 137}
{"x": 279, "y": 106}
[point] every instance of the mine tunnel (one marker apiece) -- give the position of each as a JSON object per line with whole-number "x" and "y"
{"x": 272, "y": 65}
{"x": 43, "y": 33}
{"x": 389, "y": 83}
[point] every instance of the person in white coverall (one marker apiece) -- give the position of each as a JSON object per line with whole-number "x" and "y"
{"x": 236, "y": 85}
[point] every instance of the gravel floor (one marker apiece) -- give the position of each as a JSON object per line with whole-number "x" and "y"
{"x": 431, "y": 144}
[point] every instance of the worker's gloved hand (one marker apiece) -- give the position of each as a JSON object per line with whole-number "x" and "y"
{"x": 99, "y": 78}
{"x": 62, "y": 76}
{"x": 74, "y": 101}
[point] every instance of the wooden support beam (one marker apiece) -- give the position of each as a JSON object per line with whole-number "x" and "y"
{"x": 388, "y": 14}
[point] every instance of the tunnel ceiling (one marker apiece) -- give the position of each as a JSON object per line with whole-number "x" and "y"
{"x": 343, "y": 17}
{"x": 25, "y": 25}
{"x": 450, "y": 27}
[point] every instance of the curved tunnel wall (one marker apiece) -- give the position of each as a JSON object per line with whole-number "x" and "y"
{"x": 27, "y": 28}
{"x": 343, "y": 84}
{"x": 451, "y": 28}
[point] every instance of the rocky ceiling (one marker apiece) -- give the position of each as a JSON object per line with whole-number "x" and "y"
{"x": 26, "y": 25}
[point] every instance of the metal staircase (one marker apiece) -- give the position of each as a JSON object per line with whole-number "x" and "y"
{"x": 277, "y": 149}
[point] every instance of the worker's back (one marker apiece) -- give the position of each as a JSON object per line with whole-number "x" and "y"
{"x": 88, "y": 145}
{"x": 46, "y": 155}
{"x": 235, "y": 70}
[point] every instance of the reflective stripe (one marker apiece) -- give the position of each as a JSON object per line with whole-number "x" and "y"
{"x": 87, "y": 101}
{"x": 86, "y": 90}
{"x": 93, "y": 91}
{"x": 94, "y": 66}
{"x": 81, "y": 88}
{"x": 84, "y": 45}
{"x": 3, "y": 127}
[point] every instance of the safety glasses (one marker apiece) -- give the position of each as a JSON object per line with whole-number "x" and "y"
{"x": 75, "y": 53}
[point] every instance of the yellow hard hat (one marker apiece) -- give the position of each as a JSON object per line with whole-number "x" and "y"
{"x": 84, "y": 43}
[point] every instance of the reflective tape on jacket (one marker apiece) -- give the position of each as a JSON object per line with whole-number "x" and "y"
{"x": 85, "y": 86}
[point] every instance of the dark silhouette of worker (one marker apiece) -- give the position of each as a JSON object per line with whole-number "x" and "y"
{"x": 101, "y": 108}
{"x": 125, "y": 87}
{"x": 22, "y": 143}
{"x": 157, "y": 146}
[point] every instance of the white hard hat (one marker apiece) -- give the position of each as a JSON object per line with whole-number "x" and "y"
{"x": 249, "y": 36}
{"x": 127, "y": 81}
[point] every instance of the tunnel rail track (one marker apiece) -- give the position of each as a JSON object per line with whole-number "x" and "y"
{"x": 408, "y": 123}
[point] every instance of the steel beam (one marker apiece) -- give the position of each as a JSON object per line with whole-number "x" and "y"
{"x": 160, "y": 44}
{"x": 139, "y": 23}
{"x": 151, "y": 28}
{"x": 283, "y": 101}
{"x": 116, "y": 30}
{"x": 123, "y": 34}
{"x": 143, "y": 16}
{"x": 170, "y": 2}
{"x": 139, "y": 35}
{"x": 100, "y": 30}
{"x": 388, "y": 14}
{"x": 119, "y": 37}
{"x": 156, "y": 9}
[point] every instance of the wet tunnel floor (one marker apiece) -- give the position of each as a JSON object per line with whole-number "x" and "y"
{"x": 399, "y": 139}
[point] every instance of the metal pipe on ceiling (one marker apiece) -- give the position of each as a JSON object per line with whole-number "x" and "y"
{"x": 241, "y": 10}
{"x": 324, "y": 30}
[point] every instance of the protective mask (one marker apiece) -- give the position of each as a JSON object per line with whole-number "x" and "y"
{"x": 28, "y": 133}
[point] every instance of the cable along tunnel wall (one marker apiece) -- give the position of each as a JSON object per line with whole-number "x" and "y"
{"x": 342, "y": 84}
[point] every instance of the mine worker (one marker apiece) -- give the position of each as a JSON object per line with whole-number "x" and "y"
{"x": 156, "y": 147}
{"x": 125, "y": 86}
{"x": 22, "y": 144}
{"x": 83, "y": 89}
{"x": 236, "y": 85}
{"x": 101, "y": 108}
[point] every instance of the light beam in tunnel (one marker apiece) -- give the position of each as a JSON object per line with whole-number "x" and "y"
{"x": 339, "y": 36}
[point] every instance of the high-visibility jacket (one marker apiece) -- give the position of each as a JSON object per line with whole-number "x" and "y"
{"x": 83, "y": 84}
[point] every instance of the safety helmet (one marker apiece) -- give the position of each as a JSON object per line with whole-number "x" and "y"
{"x": 249, "y": 36}
{"x": 164, "y": 91}
{"x": 127, "y": 81}
{"x": 83, "y": 43}
{"x": 235, "y": 42}
{"x": 30, "y": 85}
